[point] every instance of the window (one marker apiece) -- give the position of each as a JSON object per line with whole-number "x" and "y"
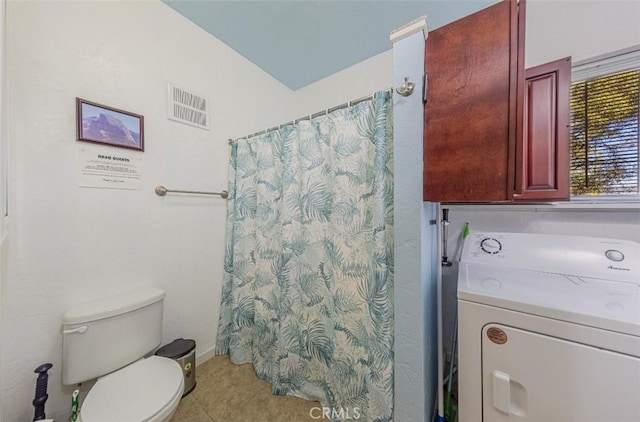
{"x": 604, "y": 126}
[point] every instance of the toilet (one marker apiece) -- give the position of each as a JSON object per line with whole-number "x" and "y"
{"x": 108, "y": 340}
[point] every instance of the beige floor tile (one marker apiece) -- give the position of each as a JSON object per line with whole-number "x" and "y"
{"x": 266, "y": 407}
{"x": 210, "y": 366}
{"x": 233, "y": 393}
{"x": 223, "y": 386}
{"x": 190, "y": 411}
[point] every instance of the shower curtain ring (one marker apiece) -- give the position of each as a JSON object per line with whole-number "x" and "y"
{"x": 406, "y": 89}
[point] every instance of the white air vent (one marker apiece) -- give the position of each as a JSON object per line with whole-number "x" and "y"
{"x": 187, "y": 108}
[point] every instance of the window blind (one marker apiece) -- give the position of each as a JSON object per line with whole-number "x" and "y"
{"x": 604, "y": 128}
{"x": 612, "y": 63}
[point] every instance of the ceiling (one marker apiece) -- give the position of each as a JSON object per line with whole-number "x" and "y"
{"x": 299, "y": 42}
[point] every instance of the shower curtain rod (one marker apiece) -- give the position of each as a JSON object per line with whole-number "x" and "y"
{"x": 313, "y": 116}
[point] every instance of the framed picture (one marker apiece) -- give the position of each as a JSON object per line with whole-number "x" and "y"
{"x": 109, "y": 126}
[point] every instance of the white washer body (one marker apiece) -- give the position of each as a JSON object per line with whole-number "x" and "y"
{"x": 549, "y": 329}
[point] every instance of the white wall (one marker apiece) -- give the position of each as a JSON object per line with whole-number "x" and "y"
{"x": 68, "y": 244}
{"x": 357, "y": 81}
{"x": 414, "y": 279}
{"x": 579, "y": 28}
{"x": 3, "y": 159}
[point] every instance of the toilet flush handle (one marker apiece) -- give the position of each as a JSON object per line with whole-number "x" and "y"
{"x": 82, "y": 329}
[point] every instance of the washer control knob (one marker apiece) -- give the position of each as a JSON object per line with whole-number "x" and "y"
{"x": 614, "y": 255}
{"x": 490, "y": 245}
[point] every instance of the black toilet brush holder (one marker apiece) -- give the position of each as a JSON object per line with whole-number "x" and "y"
{"x": 41, "y": 391}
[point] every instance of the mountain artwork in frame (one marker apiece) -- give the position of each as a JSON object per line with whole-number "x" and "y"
{"x": 109, "y": 126}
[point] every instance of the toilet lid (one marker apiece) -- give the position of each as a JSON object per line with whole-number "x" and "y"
{"x": 135, "y": 393}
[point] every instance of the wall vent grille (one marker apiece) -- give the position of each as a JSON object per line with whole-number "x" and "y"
{"x": 186, "y": 107}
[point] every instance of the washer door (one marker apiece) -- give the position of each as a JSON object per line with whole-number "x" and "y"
{"x": 532, "y": 377}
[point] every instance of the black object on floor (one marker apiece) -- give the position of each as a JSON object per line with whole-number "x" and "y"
{"x": 182, "y": 351}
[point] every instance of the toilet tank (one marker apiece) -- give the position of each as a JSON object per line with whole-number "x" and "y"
{"x": 102, "y": 336}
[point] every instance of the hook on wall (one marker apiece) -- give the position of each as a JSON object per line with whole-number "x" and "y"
{"x": 406, "y": 89}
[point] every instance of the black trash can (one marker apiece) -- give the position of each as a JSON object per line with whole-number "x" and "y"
{"x": 182, "y": 351}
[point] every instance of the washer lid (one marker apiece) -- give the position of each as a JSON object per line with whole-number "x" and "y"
{"x": 581, "y": 256}
{"x": 135, "y": 393}
{"x": 606, "y": 304}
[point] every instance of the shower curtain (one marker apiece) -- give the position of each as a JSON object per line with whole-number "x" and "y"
{"x": 308, "y": 286}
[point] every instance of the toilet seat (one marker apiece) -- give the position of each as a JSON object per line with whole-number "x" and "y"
{"x": 148, "y": 390}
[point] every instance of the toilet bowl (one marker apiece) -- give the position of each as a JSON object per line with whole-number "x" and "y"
{"x": 148, "y": 390}
{"x": 106, "y": 340}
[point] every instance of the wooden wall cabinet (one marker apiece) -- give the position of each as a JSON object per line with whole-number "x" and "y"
{"x": 476, "y": 146}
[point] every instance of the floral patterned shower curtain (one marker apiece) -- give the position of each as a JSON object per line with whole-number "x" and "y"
{"x": 308, "y": 286}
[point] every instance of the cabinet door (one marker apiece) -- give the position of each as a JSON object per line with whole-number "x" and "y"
{"x": 542, "y": 171}
{"x": 475, "y": 76}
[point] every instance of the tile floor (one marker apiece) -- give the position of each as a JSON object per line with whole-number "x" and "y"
{"x": 233, "y": 393}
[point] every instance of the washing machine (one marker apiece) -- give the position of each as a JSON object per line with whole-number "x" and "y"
{"x": 549, "y": 329}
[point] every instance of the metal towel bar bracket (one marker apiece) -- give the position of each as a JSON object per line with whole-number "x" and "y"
{"x": 162, "y": 191}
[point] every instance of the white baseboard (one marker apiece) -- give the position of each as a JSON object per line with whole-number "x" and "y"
{"x": 205, "y": 356}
